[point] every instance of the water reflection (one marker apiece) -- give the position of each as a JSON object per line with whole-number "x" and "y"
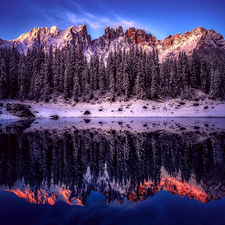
{"x": 66, "y": 164}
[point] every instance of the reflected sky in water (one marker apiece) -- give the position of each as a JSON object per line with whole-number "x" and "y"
{"x": 163, "y": 208}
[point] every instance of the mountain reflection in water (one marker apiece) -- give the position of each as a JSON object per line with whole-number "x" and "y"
{"x": 45, "y": 165}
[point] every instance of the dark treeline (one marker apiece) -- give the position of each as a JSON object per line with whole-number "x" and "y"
{"x": 44, "y": 76}
{"x": 63, "y": 157}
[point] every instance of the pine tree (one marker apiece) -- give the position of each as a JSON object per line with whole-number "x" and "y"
{"x": 133, "y": 65}
{"x": 101, "y": 75}
{"x": 112, "y": 84}
{"x": 39, "y": 83}
{"x": 173, "y": 80}
{"x": 35, "y": 76}
{"x": 62, "y": 71}
{"x": 195, "y": 70}
{"x": 126, "y": 79}
{"x": 185, "y": 74}
{"x": 179, "y": 87}
{"x": 203, "y": 76}
{"x": 13, "y": 73}
{"x": 165, "y": 77}
{"x": 23, "y": 89}
{"x": 119, "y": 72}
{"x": 155, "y": 75}
{"x": 76, "y": 87}
{"x": 80, "y": 63}
{"x": 29, "y": 59}
{"x": 67, "y": 81}
{"x": 154, "y": 84}
{"x": 85, "y": 79}
{"x": 68, "y": 75}
{"x": 111, "y": 74}
{"x": 3, "y": 79}
{"x": 50, "y": 65}
{"x": 140, "y": 87}
{"x": 46, "y": 78}
{"x": 94, "y": 72}
{"x": 56, "y": 71}
{"x": 148, "y": 75}
{"x": 215, "y": 87}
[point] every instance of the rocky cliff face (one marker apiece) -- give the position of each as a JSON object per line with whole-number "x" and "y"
{"x": 44, "y": 36}
{"x": 199, "y": 38}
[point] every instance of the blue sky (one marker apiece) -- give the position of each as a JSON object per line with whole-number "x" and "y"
{"x": 160, "y": 18}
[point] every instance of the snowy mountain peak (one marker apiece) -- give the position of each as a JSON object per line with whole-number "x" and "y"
{"x": 77, "y": 28}
{"x": 54, "y": 30}
{"x": 199, "y": 38}
{"x": 44, "y": 36}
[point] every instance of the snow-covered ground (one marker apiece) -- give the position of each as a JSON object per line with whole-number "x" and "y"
{"x": 132, "y": 108}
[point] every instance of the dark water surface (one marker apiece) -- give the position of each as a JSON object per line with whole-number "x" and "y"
{"x": 112, "y": 171}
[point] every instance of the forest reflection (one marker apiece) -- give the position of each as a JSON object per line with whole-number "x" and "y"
{"x": 48, "y": 165}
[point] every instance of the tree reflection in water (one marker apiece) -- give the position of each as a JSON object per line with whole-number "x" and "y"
{"x": 44, "y": 166}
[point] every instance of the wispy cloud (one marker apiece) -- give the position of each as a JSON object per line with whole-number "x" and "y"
{"x": 72, "y": 18}
{"x": 90, "y": 15}
{"x": 93, "y": 20}
{"x": 76, "y": 15}
{"x": 127, "y": 23}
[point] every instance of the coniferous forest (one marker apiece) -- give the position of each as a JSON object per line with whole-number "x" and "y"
{"x": 42, "y": 76}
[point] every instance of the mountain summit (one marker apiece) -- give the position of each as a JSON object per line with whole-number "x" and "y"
{"x": 199, "y": 39}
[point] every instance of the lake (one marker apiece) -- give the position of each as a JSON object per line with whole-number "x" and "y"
{"x": 112, "y": 171}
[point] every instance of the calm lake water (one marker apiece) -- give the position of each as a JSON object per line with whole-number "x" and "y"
{"x": 112, "y": 171}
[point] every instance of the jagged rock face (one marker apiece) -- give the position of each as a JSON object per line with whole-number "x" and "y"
{"x": 115, "y": 39}
{"x": 44, "y": 36}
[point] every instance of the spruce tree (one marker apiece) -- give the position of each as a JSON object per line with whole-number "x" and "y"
{"x": 185, "y": 74}
{"x": 126, "y": 79}
{"x": 119, "y": 72}
{"x": 148, "y": 75}
{"x": 101, "y": 75}
{"x": 62, "y": 71}
{"x": 23, "y": 89}
{"x": 179, "y": 87}
{"x": 56, "y": 71}
{"x": 85, "y": 79}
{"x": 173, "y": 79}
{"x": 195, "y": 70}
{"x": 67, "y": 81}
{"x": 154, "y": 84}
{"x": 33, "y": 83}
{"x": 111, "y": 74}
{"x": 203, "y": 76}
{"x": 68, "y": 75}
{"x": 215, "y": 87}
{"x": 50, "y": 65}
{"x": 46, "y": 78}
{"x": 140, "y": 86}
{"x": 3, "y": 79}
{"x": 94, "y": 76}
{"x": 76, "y": 87}
{"x": 13, "y": 73}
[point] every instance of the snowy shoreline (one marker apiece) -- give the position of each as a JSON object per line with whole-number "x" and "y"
{"x": 131, "y": 109}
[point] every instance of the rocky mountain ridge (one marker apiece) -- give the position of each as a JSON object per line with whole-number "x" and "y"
{"x": 114, "y": 39}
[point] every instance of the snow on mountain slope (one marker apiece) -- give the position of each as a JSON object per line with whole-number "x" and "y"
{"x": 44, "y": 36}
{"x": 115, "y": 39}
